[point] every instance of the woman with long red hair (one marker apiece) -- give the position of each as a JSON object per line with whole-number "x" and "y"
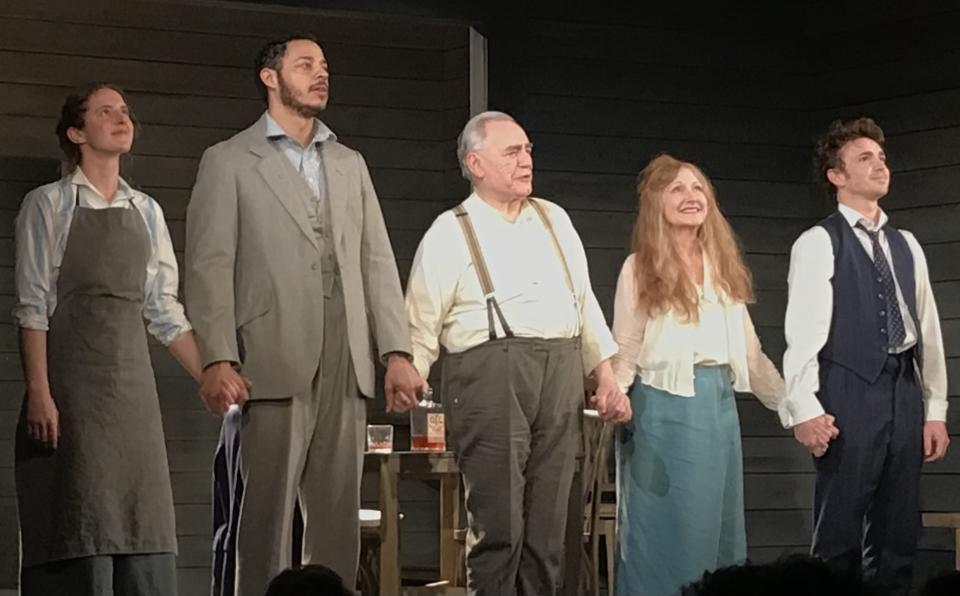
{"x": 687, "y": 343}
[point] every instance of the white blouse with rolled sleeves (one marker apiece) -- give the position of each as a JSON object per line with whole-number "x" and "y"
{"x": 663, "y": 350}
{"x": 42, "y": 228}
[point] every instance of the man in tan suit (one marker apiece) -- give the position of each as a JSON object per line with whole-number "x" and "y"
{"x": 290, "y": 277}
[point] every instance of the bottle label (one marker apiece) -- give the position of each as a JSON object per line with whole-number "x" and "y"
{"x": 435, "y": 428}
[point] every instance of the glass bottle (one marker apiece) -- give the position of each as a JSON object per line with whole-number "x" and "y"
{"x": 427, "y": 425}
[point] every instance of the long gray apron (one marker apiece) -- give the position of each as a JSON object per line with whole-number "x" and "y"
{"x": 105, "y": 490}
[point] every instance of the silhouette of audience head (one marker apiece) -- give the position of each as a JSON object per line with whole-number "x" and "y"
{"x": 794, "y": 575}
{"x": 943, "y": 585}
{"x": 309, "y": 580}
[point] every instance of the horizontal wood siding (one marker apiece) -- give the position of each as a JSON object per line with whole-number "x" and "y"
{"x": 396, "y": 86}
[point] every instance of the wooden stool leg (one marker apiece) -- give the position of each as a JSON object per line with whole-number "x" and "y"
{"x": 595, "y": 562}
{"x": 450, "y": 556}
{"x": 956, "y": 549}
{"x": 610, "y": 539}
{"x": 389, "y": 530}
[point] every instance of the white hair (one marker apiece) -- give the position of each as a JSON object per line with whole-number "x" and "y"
{"x": 473, "y": 134}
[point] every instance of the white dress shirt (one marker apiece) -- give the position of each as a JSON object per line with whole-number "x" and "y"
{"x": 810, "y": 312}
{"x": 42, "y": 228}
{"x": 663, "y": 350}
{"x": 305, "y": 159}
{"x": 445, "y": 304}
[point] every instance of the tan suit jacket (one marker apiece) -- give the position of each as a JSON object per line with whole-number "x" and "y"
{"x": 253, "y": 280}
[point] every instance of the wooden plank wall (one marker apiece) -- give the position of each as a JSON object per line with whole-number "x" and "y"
{"x": 399, "y": 94}
{"x": 896, "y": 62}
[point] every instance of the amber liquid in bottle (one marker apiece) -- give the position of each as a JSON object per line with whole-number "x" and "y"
{"x": 425, "y": 444}
{"x": 427, "y": 426}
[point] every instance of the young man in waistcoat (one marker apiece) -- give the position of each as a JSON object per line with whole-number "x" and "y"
{"x": 864, "y": 366}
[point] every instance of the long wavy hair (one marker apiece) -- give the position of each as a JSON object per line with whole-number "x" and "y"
{"x": 662, "y": 281}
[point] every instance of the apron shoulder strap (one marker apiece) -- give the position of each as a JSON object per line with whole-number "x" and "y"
{"x": 480, "y": 264}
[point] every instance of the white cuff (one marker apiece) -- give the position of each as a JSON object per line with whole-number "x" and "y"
{"x": 795, "y": 411}
{"x": 935, "y": 410}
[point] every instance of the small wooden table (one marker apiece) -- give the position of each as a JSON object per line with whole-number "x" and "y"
{"x": 946, "y": 520}
{"x": 423, "y": 465}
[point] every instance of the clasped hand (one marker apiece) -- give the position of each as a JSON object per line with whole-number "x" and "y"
{"x": 815, "y": 434}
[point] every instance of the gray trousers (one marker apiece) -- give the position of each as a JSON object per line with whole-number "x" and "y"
{"x": 513, "y": 408}
{"x": 309, "y": 446}
{"x": 103, "y": 575}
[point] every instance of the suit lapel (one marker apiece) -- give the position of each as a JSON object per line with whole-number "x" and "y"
{"x": 282, "y": 180}
{"x": 337, "y": 190}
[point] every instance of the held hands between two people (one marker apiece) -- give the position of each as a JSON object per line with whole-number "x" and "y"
{"x": 402, "y": 383}
{"x": 612, "y": 404}
{"x": 221, "y": 386}
{"x": 815, "y": 434}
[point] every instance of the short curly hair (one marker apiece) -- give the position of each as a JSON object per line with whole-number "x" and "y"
{"x": 271, "y": 56}
{"x": 826, "y": 152}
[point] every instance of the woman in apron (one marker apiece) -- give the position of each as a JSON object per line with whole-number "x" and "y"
{"x": 686, "y": 344}
{"x": 94, "y": 258}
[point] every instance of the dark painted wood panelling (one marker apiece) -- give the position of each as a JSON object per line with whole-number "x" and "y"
{"x": 638, "y": 42}
{"x": 396, "y": 87}
{"x": 889, "y": 79}
{"x": 243, "y": 21}
{"x": 614, "y": 78}
{"x": 662, "y": 120}
{"x": 618, "y": 155}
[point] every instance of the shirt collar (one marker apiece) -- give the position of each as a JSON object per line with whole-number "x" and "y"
{"x": 854, "y": 217}
{"x": 124, "y": 191}
{"x": 321, "y": 132}
{"x": 480, "y": 208}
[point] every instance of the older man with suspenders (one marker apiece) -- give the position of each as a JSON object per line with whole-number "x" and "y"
{"x": 501, "y": 282}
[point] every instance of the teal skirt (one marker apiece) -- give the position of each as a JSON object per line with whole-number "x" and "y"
{"x": 680, "y": 483}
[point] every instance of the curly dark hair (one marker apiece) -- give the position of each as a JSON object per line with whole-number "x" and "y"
{"x": 271, "y": 56}
{"x": 826, "y": 152}
{"x": 73, "y": 115}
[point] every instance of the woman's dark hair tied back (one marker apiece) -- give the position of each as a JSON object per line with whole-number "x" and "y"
{"x": 73, "y": 115}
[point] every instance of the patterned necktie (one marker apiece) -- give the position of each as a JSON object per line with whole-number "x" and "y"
{"x": 895, "y": 329}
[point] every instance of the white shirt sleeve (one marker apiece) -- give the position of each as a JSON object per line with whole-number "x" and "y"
{"x": 431, "y": 289}
{"x": 807, "y": 322}
{"x": 765, "y": 380}
{"x": 629, "y": 324}
{"x": 35, "y": 237}
{"x": 933, "y": 376}
{"x": 164, "y": 313}
{"x": 598, "y": 342}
